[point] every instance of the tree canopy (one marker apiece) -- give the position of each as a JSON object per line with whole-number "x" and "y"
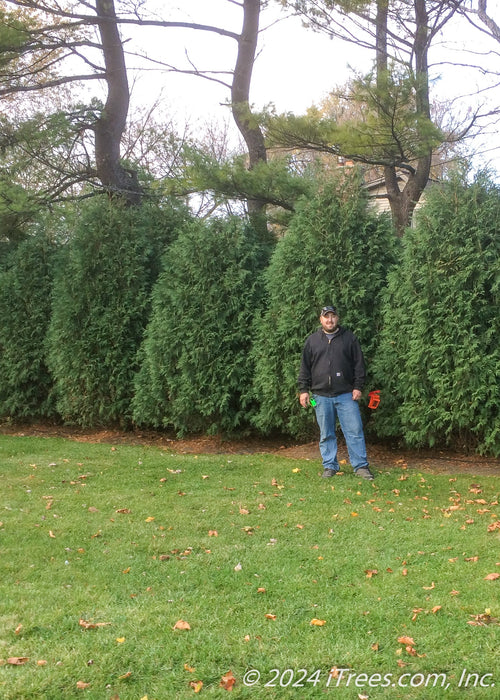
{"x": 75, "y": 60}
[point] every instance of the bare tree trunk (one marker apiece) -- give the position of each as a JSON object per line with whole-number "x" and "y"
{"x": 240, "y": 104}
{"x": 482, "y": 12}
{"x": 111, "y": 124}
{"x": 403, "y": 201}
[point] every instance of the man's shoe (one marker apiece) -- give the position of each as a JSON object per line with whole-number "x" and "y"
{"x": 328, "y": 472}
{"x": 365, "y": 473}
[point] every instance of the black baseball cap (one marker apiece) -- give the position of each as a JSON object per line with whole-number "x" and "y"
{"x": 328, "y": 309}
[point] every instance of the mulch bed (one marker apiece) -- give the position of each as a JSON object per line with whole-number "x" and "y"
{"x": 381, "y": 456}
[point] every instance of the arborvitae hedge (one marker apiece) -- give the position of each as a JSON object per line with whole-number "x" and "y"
{"x": 335, "y": 252}
{"x": 101, "y": 306}
{"x": 25, "y": 292}
{"x": 196, "y": 372}
{"x": 438, "y": 363}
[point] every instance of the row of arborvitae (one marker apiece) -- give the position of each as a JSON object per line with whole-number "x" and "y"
{"x": 147, "y": 316}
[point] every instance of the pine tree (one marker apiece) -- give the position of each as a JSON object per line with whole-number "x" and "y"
{"x": 25, "y": 292}
{"x": 196, "y": 372}
{"x": 335, "y": 252}
{"x": 438, "y": 363}
{"x": 101, "y": 307}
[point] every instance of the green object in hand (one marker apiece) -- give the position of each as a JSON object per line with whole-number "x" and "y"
{"x": 313, "y": 402}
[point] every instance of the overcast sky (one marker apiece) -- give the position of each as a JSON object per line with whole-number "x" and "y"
{"x": 294, "y": 68}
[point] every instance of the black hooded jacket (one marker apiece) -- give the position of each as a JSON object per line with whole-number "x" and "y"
{"x": 332, "y": 367}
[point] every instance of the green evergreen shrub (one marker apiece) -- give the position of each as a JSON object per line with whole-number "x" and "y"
{"x": 101, "y": 306}
{"x": 438, "y": 363}
{"x": 336, "y": 251}
{"x": 25, "y": 292}
{"x": 195, "y": 367}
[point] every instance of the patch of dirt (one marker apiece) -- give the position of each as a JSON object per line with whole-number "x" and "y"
{"x": 381, "y": 456}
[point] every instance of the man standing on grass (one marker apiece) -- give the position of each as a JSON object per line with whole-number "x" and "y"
{"x": 331, "y": 378}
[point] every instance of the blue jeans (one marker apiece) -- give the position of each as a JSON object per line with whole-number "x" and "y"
{"x": 343, "y": 407}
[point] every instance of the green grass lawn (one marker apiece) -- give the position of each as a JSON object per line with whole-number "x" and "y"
{"x": 108, "y": 554}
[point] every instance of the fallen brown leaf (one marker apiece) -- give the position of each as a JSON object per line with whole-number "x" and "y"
{"x": 227, "y": 681}
{"x": 317, "y": 623}
{"x": 483, "y": 619}
{"x": 196, "y": 685}
{"x": 492, "y": 577}
{"x": 17, "y": 660}
{"x": 92, "y": 625}
{"x": 181, "y": 625}
{"x": 416, "y": 612}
